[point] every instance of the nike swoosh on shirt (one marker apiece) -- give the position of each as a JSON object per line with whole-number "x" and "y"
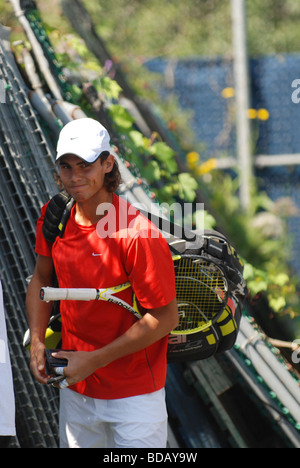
{"x": 96, "y": 254}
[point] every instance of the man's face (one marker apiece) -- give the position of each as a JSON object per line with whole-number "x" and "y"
{"x": 82, "y": 180}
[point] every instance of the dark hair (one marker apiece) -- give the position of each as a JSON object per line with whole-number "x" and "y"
{"x": 113, "y": 178}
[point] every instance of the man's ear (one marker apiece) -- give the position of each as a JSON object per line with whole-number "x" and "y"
{"x": 109, "y": 163}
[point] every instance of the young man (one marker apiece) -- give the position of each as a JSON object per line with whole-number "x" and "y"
{"x": 116, "y": 376}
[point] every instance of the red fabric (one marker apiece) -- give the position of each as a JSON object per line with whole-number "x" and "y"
{"x": 134, "y": 250}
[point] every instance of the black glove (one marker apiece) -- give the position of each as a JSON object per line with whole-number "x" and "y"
{"x": 52, "y": 363}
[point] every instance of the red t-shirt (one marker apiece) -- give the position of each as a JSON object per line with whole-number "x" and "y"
{"x": 123, "y": 246}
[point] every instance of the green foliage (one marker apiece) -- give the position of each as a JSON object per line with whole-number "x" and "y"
{"x": 121, "y": 118}
{"x": 165, "y": 155}
{"x": 167, "y": 28}
{"x": 109, "y": 87}
{"x": 187, "y": 187}
{"x": 193, "y": 27}
{"x": 178, "y": 28}
{"x": 273, "y": 26}
{"x": 154, "y": 159}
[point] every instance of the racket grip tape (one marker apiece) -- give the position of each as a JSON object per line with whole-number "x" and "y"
{"x": 48, "y": 294}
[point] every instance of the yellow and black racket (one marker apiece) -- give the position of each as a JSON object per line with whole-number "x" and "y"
{"x": 201, "y": 291}
{"x": 49, "y": 294}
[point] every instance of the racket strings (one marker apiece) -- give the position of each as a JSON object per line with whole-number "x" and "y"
{"x": 201, "y": 292}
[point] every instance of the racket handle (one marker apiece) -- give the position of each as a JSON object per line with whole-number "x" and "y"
{"x": 48, "y": 294}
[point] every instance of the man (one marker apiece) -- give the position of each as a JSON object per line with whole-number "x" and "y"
{"x": 116, "y": 375}
{"x": 7, "y": 401}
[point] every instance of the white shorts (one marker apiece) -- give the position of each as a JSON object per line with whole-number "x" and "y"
{"x": 135, "y": 422}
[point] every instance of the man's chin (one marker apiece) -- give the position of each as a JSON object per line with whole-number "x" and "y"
{"x": 79, "y": 195}
{"x": 80, "y": 198}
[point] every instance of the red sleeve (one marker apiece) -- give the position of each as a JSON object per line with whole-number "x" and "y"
{"x": 151, "y": 271}
{"x": 42, "y": 247}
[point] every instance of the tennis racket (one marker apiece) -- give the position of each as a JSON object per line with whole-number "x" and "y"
{"x": 49, "y": 294}
{"x": 201, "y": 292}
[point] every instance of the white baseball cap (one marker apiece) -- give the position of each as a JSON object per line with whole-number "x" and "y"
{"x": 85, "y": 138}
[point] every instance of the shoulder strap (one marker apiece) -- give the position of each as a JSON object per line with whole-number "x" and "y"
{"x": 210, "y": 241}
{"x": 56, "y": 217}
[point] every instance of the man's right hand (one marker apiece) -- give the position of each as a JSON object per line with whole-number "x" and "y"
{"x": 37, "y": 362}
{"x": 38, "y": 315}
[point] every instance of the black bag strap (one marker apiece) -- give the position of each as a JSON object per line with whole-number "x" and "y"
{"x": 59, "y": 209}
{"x": 212, "y": 242}
{"x": 57, "y": 214}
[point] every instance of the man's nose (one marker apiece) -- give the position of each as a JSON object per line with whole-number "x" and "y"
{"x": 75, "y": 175}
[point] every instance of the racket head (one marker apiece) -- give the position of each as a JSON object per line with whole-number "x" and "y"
{"x": 201, "y": 291}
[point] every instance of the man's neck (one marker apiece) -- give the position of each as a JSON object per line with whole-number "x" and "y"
{"x": 88, "y": 213}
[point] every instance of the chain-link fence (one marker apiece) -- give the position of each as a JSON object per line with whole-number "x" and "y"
{"x": 26, "y": 180}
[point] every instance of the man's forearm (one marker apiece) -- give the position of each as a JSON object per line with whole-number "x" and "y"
{"x": 151, "y": 328}
{"x": 38, "y": 312}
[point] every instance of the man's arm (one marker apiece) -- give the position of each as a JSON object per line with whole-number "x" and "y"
{"x": 154, "y": 325}
{"x": 38, "y": 315}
